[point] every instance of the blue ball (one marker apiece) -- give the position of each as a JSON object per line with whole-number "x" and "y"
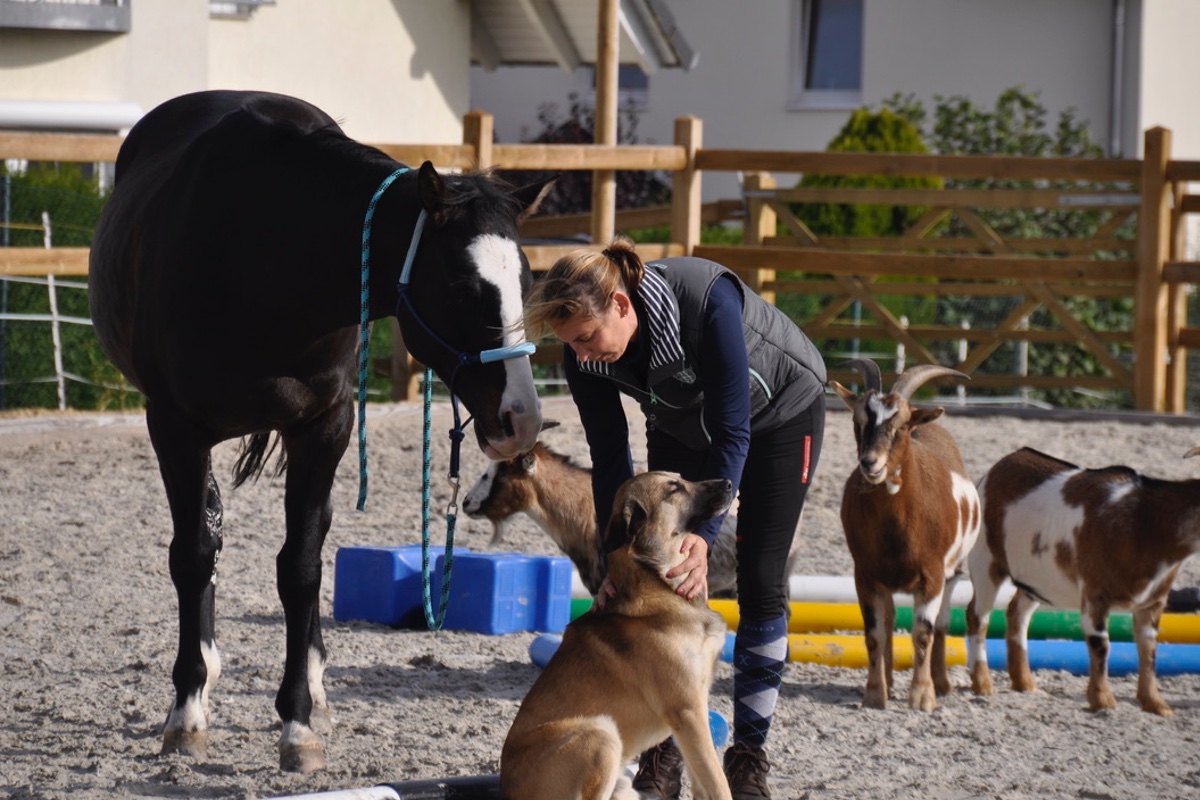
{"x": 719, "y": 728}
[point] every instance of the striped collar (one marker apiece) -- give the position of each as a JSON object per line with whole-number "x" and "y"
{"x": 660, "y": 325}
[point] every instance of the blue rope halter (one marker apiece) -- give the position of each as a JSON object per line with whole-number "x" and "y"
{"x": 457, "y": 433}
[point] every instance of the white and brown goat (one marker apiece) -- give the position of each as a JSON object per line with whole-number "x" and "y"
{"x": 910, "y": 515}
{"x": 556, "y": 493}
{"x": 1093, "y": 539}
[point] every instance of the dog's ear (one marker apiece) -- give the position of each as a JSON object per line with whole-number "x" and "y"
{"x": 626, "y": 523}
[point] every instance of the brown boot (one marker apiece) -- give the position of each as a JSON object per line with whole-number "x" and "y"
{"x": 660, "y": 772}
{"x": 746, "y": 769}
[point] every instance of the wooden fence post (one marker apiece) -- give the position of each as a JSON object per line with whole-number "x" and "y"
{"x": 604, "y": 181}
{"x": 1150, "y": 294}
{"x": 761, "y": 222}
{"x": 1176, "y": 390}
{"x": 478, "y": 131}
{"x": 685, "y": 185}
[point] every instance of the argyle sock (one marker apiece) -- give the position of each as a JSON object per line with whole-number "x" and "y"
{"x": 759, "y": 656}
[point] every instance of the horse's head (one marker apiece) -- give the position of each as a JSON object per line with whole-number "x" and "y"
{"x": 468, "y": 283}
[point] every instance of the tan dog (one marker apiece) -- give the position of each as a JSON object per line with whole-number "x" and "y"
{"x": 627, "y": 676}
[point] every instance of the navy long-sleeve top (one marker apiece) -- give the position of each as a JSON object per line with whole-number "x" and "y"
{"x": 723, "y": 372}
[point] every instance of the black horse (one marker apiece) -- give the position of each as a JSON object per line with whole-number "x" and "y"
{"x": 227, "y": 282}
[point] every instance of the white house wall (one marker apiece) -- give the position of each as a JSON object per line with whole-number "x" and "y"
{"x": 978, "y": 48}
{"x": 742, "y": 86}
{"x": 165, "y": 54}
{"x": 386, "y": 80}
{"x": 1168, "y": 89}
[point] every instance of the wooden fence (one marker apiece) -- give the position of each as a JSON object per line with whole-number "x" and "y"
{"x": 1136, "y": 250}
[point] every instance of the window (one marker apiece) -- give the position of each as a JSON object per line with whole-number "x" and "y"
{"x": 828, "y": 55}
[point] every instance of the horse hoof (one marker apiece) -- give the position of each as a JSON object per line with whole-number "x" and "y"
{"x": 185, "y": 743}
{"x": 302, "y": 758}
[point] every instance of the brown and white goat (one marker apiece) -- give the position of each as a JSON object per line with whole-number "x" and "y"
{"x": 1093, "y": 539}
{"x": 556, "y": 493}
{"x": 910, "y": 515}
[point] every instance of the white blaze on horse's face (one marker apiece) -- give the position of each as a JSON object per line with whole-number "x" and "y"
{"x": 499, "y": 262}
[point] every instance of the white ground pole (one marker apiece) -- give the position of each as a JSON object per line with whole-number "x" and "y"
{"x": 472, "y": 787}
{"x": 840, "y": 589}
{"x": 374, "y": 793}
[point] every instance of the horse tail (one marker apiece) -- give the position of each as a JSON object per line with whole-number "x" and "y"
{"x": 252, "y": 458}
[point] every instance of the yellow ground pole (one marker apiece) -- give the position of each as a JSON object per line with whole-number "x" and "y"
{"x": 845, "y": 650}
{"x": 810, "y": 618}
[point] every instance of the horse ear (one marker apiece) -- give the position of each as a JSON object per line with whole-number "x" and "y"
{"x": 431, "y": 188}
{"x": 531, "y": 196}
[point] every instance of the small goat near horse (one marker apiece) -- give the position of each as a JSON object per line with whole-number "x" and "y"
{"x": 230, "y": 271}
{"x": 556, "y": 493}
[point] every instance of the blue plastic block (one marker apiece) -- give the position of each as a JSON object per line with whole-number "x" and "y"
{"x": 491, "y": 593}
{"x": 554, "y": 593}
{"x": 382, "y": 584}
{"x": 500, "y": 593}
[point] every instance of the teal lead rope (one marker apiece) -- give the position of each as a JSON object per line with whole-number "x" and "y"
{"x": 434, "y": 623}
{"x": 364, "y": 338}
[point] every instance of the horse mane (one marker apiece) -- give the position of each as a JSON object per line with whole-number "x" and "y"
{"x": 252, "y": 458}
{"x": 470, "y": 192}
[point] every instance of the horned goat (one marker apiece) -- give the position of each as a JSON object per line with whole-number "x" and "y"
{"x": 556, "y": 493}
{"x": 1093, "y": 539}
{"x": 910, "y": 515}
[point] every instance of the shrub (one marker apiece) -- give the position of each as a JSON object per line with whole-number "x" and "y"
{"x": 70, "y": 195}
{"x": 1019, "y": 125}
{"x": 866, "y": 131}
{"x": 572, "y": 192}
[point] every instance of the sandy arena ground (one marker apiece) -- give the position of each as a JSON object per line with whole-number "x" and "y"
{"x": 87, "y": 613}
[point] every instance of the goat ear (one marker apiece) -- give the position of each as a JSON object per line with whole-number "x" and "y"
{"x": 547, "y": 424}
{"x": 848, "y": 397}
{"x": 531, "y": 196}
{"x": 920, "y": 416}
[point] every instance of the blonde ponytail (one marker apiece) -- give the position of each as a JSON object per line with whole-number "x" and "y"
{"x": 582, "y": 282}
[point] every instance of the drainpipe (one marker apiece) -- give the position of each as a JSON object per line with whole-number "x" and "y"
{"x": 6, "y": 186}
{"x": 1115, "y": 121}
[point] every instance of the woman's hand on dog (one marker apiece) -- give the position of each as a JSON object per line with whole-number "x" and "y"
{"x": 607, "y": 589}
{"x": 695, "y": 566}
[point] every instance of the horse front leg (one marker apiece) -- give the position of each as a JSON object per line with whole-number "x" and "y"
{"x": 313, "y": 453}
{"x": 196, "y": 514}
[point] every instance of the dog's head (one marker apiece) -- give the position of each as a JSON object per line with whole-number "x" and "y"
{"x": 653, "y": 511}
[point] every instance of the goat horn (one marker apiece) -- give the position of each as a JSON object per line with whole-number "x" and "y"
{"x": 912, "y": 379}
{"x": 869, "y": 370}
{"x": 1194, "y": 451}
